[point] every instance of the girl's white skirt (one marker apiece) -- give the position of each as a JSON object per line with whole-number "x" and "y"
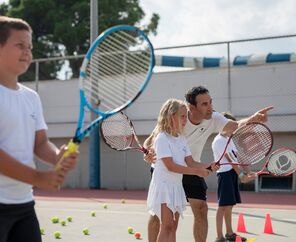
{"x": 171, "y": 193}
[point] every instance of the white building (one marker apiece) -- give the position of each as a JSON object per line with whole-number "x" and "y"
{"x": 251, "y": 84}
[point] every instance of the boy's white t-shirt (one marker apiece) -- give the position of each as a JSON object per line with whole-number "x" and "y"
{"x": 197, "y": 135}
{"x": 21, "y": 116}
{"x": 218, "y": 147}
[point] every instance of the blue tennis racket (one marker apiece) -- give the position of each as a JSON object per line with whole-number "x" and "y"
{"x": 114, "y": 72}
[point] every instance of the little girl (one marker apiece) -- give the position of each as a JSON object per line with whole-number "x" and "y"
{"x": 166, "y": 196}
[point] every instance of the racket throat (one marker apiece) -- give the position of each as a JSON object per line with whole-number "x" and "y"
{"x": 76, "y": 140}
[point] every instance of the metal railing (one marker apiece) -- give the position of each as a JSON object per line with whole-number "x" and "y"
{"x": 228, "y": 44}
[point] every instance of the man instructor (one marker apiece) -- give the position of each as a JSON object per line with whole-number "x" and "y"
{"x": 202, "y": 122}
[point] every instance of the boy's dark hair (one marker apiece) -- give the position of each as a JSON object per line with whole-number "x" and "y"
{"x": 190, "y": 96}
{"x": 228, "y": 116}
{"x": 8, "y": 23}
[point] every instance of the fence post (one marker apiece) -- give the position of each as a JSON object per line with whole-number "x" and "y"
{"x": 36, "y": 75}
{"x": 229, "y": 77}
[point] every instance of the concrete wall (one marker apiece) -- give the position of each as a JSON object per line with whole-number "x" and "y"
{"x": 251, "y": 88}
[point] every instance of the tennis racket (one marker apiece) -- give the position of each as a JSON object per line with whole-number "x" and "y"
{"x": 114, "y": 72}
{"x": 118, "y": 133}
{"x": 253, "y": 142}
{"x": 281, "y": 162}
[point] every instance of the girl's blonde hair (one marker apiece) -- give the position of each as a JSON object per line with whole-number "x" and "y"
{"x": 165, "y": 120}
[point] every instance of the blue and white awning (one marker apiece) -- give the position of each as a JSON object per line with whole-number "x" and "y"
{"x": 208, "y": 62}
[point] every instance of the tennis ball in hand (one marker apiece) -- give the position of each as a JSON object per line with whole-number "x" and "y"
{"x": 93, "y": 213}
{"x": 105, "y": 206}
{"x": 42, "y": 231}
{"x": 130, "y": 230}
{"x": 138, "y": 235}
{"x": 70, "y": 219}
{"x": 63, "y": 223}
{"x": 85, "y": 231}
{"x": 55, "y": 220}
{"x": 57, "y": 234}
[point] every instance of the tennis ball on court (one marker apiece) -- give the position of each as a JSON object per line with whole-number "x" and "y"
{"x": 85, "y": 231}
{"x": 70, "y": 219}
{"x": 57, "y": 234}
{"x": 55, "y": 220}
{"x": 42, "y": 231}
{"x": 122, "y": 201}
{"x": 105, "y": 206}
{"x": 93, "y": 213}
{"x": 130, "y": 230}
{"x": 138, "y": 235}
{"x": 63, "y": 223}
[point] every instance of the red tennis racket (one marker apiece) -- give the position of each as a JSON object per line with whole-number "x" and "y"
{"x": 281, "y": 162}
{"x": 253, "y": 142}
{"x": 118, "y": 132}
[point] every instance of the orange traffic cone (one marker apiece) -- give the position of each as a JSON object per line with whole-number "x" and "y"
{"x": 238, "y": 239}
{"x": 268, "y": 226}
{"x": 241, "y": 224}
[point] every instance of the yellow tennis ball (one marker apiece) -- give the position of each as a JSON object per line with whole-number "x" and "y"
{"x": 63, "y": 223}
{"x": 85, "y": 231}
{"x": 70, "y": 219}
{"x": 55, "y": 220}
{"x": 105, "y": 206}
{"x": 130, "y": 230}
{"x": 57, "y": 234}
{"x": 93, "y": 213}
{"x": 42, "y": 231}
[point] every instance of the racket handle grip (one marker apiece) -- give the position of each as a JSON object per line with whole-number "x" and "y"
{"x": 71, "y": 147}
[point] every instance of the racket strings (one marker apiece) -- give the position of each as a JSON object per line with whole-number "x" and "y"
{"x": 128, "y": 77}
{"x": 126, "y": 45}
{"x": 130, "y": 88}
{"x": 282, "y": 162}
{"x": 117, "y": 132}
{"x": 129, "y": 81}
{"x": 92, "y": 87}
{"x": 117, "y": 68}
{"x": 133, "y": 65}
{"x": 253, "y": 143}
{"x": 113, "y": 90}
{"x": 130, "y": 40}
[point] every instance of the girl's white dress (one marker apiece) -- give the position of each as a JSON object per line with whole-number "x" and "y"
{"x": 166, "y": 186}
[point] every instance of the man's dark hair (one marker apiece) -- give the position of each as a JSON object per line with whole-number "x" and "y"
{"x": 8, "y": 23}
{"x": 190, "y": 96}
